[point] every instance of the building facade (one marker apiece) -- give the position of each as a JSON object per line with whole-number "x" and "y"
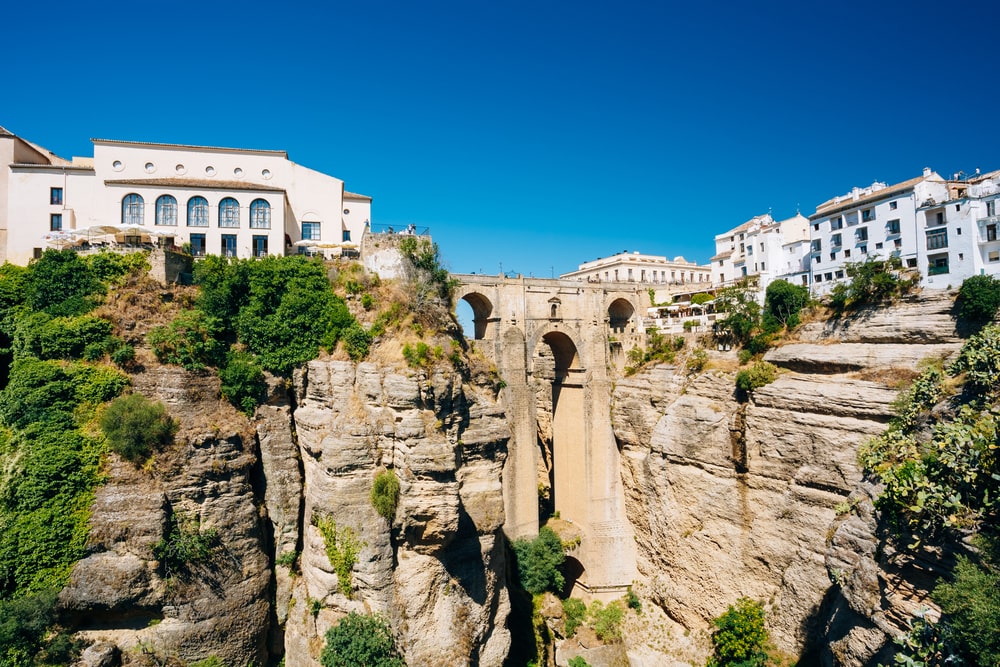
{"x": 764, "y": 250}
{"x": 634, "y": 267}
{"x": 224, "y": 201}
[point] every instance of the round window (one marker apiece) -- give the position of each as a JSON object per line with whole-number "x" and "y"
{"x": 238, "y": 173}
{"x": 266, "y": 173}
{"x": 180, "y": 169}
{"x": 150, "y": 167}
{"x": 117, "y": 165}
{"x": 210, "y": 170}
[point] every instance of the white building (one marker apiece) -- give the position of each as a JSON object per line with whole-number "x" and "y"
{"x": 634, "y": 267}
{"x": 764, "y": 249}
{"x": 227, "y": 201}
{"x": 877, "y": 221}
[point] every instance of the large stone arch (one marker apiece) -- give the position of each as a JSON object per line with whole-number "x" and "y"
{"x": 483, "y": 314}
{"x": 567, "y": 349}
{"x": 621, "y": 312}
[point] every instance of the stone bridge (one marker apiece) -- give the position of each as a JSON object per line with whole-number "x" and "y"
{"x": 557, "y": 344}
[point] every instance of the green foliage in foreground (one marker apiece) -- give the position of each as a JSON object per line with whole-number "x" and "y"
{"x": 192, "y": 340}
{"x": 873, "y": 281}
{"x": 759, "y": 374}
{"x": 574, "y": 613}
{"x": 539, "y": 562}
{"x": 740, "y": 638}
{"x": 979, "y": 298}
{"x": 360, "y": 640}
{"x": 784, "y": 301}
{"x": 243, "y": 382}
{"x": 577, "y": 661}
{"x": 26, "y": 636}
{"x": 606, "y": 620}
{"x": 385, "y": 493}
{"x": 134, "y": 427}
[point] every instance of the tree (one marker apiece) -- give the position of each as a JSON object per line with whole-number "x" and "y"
{"x": 360, "y": 640}
{"x": 739, "y": 303}
{"x": 979, "y": 298}
{"x": 61, "y": 283}
{"x": 783, "y": 301}
{"x": 134, "y": 426}
{"x": 970, "y": 605}
{"x": 740, "y": 639}
{"x": 539, "y": 562}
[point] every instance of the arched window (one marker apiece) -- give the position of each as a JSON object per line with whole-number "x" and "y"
{"x": 166, "y": 211}
{"x": 197, "y": 212}
{"x": 132, "y": 210}
{"x": 260, "y": 214}
{"x": 229, "y": 213}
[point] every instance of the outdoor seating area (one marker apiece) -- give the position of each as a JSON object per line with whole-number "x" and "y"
{"x": 681, "y": 317}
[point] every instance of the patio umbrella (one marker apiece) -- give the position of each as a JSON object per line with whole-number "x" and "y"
{"x": 59, "y": 239}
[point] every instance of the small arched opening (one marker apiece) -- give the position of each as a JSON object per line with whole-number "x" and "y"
{"x": 554, "y": 305}
{"x": 477, "y": 309}
{"x": 620, "y": 313}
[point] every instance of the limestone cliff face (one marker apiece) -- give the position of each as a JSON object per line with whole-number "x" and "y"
{"x": 734, "y": 496}
{"x": 437, "y": 570}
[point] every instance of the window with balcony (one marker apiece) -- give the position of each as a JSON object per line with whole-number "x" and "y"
{"x": 861, "y": 235}
{"x": 867, "y": 215}
{"x": 892, "y": 227}
{"x": 55, "y": 196}
{"x": 229, "y": 213}
{"x": 229, "y": 245}
{"x": 937, "y": 239}
{"x": 851, "y": 218}
{"x": 837, "y": 223}
{"x": 816, "y": 246}
{"x": 166, "y": 210}
{"x": 937, "y": 264}
{"x": 991, "y": 232}
{"x": 198, "y": 245}
{"x": 260, "y": 246}
{"x": 260, "y": 214}
{"x": 197, "y": 213}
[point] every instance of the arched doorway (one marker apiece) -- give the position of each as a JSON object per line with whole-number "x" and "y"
{"x": 561, "y": 427}
{"x": 481, "y": 309}
{"x": 620, "y": 313}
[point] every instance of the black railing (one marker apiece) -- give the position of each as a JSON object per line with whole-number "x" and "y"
{"x": 399, "y": 229}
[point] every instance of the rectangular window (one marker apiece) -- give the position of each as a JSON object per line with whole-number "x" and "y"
{"x": 911, "y": 263}
{"x": 816, "y": 227}
{"x": 818, "y": 278}
{"x": 991, "y": 209}
{"x": 892, "y": 227}
{"x": 867, "y": 215}
{"x": 310, "y": 231}
{"x": 828, "y": 276}
{"x": 55, "y": 196}
{"x": 994, "y": 255}
{"x": 847, "y": 252}
{"x": 940, "y": 217}
{"x": 897, "y": 243}
{"x": 837, "y": 223}
{"x": 55, "y": 222}
{"x": 198, "y": 245}
{"x": 260, "y": 246}
{"x": 991, "y": 232}
{"x": 630, "y": 275}
{"x": 762, "y": 267}
{"x": 229, "y": 245}
{"x": 817, "y": 246}
{"x": 863, "y": 250}
{"x": 892, "y": 206}
{"x": 937, "y": 239}
{"x": 878, "y": 245}
{"x": 861, "y": 235}
{"x": 840, "y": 274}
{"x": 835, "y": 241}
{"x": 346, "y": 236}
{"x": 833, "y": 257}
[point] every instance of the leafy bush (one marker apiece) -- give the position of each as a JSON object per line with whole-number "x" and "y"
{"x": 739, "y": 303}
{"x": 740, "y": 638}
{"x": 385, "y": 493}
{"x": 873, "y": 281}
{"x": 243, "y": 382}
{"x": 979, "y": 359}
{"x": 784, "y": 301}
{"x": 44, "y": 337}
{"x": 574, "y": 613}
{"x": 342, "y": 549}
{"x": 61, "y": 283}
{"x": 360, "y": 639}
{"x": 632, "y": 601}
{"x": 979, "y": 298}
{"x": 134, "y": 426}
{"x": 357, "y": 341}
{"x": 24, "y": 628}
{"x": 417, "y": 355}
{"x": 367, "y": 301}
{"x": 424, "y": 257}
{"x": 759, "y": 374}
{"x": 539, "y": 562}
{"x": 111, "y": 267}
{"x": 697, "y": 361}
{"x": 185, "y": 543}
{"x": 192, "y": 340}
{"x": 970, "y": 606}
{"x": 606, "y": 620}
{"x": 577, "y": 661}
{"x": 699, "y": 299}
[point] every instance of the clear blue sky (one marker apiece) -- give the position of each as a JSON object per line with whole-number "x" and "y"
{"x": 534, "y": 134}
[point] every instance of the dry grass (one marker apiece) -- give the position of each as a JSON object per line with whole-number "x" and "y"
{"x": 893, "y": 378}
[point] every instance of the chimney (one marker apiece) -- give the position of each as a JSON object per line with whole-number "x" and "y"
{"x": 927, "y": 172}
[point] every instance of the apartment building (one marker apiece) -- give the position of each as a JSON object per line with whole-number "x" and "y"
{"x": 765, "y": 250}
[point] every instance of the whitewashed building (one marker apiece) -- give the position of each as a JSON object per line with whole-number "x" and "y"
{"x": 226, "y": 201}
{"x": 876, "y": 221}
{"x": 635, "y": 267}
{"x": 763, "y": 249}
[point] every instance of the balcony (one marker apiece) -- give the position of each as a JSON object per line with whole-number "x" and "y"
{"x": 937, "y": 270}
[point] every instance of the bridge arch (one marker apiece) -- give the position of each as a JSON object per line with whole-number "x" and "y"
{"x": 620, "y": 314}
{"x": 484, "y": 323}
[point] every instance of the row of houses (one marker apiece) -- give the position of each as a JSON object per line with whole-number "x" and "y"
{"x": 224, "y": 201}
{"x": 945, "y": 229}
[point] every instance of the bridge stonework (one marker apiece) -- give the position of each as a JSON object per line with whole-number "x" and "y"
{"x": 556, "y": 344}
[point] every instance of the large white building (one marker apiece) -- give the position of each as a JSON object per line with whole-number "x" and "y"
{"x": 876, "y": 221}
{"x": 634, "y": 267}
{"x": 226, "y": 201}
{"x": 764, "y": 249}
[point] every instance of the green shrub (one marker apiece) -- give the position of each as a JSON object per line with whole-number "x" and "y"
{"x": 759, "y": 374}
{"x": 210, "y": 661}
{"x": 385, "y": 493}
{"x": 288, "y": 559}
{"x": 979, "y": 359}
{"x": 243, "y": 382}
{"x": 697, "y": 361}
{"x": 632, "y": 601}
{"x": 357, "y": 341}
{"x": 44, "y": 337}
{"x": 38, "y": 391}
{"x": 574, "y": 613}
{"x": 111, "y": 267}
{"x": 24, "y": 628}
{"x": 577, "y": 661}
{"x": 192, "y": 340}
{"x": 418, "y": 355}
{"x": 979, "y": 298}
{"x": 699, "y": 299}
{"x": 740, "y": 638}
{"x": 970, "y": 606}
{"x": 425, "y": 258}
{"x": 185, "y": 543}
{"x": 61, "y": 283}
{"x": 96, "y": 384}
{"x": 360, "y": 639}
{"x": 742, "y": 313}
{"x": 783, "y": 301}
{"x": 606, "y": 620}
{"x": 367, "y": 301}
{"x": 134, "y": 426}
{"x": 873, "y": 281}
{"x": 342, "y": 549}
{"x": 539, "y": 562}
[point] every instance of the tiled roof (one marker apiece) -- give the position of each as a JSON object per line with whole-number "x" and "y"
{"x": 721, "y": 255}
{"x": 351, "y": 195}
{"x": 283, "y": 154}
{"x": 204, "y": 183}
{"x": 32, "y": 165}
{"x": 833, "y": 206}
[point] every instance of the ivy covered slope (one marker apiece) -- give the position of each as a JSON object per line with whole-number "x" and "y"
{"x": 58, "y": 365}
{"x": 936, "y": 489}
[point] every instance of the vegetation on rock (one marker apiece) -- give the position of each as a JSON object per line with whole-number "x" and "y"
{"x": 135, "y": 426}
{"x": 360, "y": 640}
{"x": 539, "y": 562}
{"x": 979, "y": 298}
{"x": 740, "y": 638}
{"x": 342, "y": 549}
{"x": 185, "y": 543}
{"x": 783, "y": 301}
{"x": 872, "y": 282}
{"x": 757, "y": 375}
{"x": 385, "y": 493}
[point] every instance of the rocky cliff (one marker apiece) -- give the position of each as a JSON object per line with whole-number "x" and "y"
{"x": 736, "y": 495}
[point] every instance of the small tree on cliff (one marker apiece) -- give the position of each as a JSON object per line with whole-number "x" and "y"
{"x": 360, "y": 640}
{"x": 740, "y": 639}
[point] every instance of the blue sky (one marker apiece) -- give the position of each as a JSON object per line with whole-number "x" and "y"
{"x": 536, "y": 135}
